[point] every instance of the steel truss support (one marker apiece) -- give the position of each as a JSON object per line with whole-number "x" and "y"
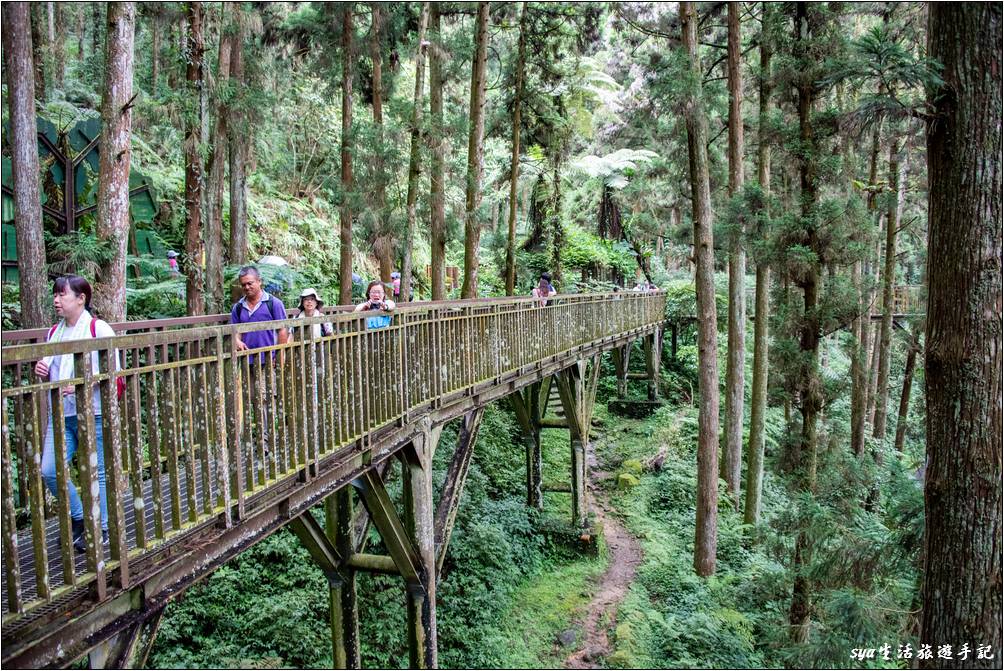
{"x": 577, "y": 388}
{"x": 530, "y": 406}
{"x": 453, "y": 487}
{"x": 128, "y": 649}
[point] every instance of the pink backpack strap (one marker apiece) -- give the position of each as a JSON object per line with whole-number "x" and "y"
{"x": 94, "y": 328}
{"x": 51, "y": 331}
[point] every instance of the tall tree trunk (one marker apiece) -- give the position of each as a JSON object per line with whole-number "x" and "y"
{"x": 758, "y": 402}
{"x": 706, "y": 532}
{"x": 194, "y": 265}
{"x": 807, "y": 384}
{"x": 475, "y": 155}
{"x": 904, "y": 398}
{"x": 735, "y": 368}
{"x": 964, "y": 349}
{"x": 861, "y": 327}
{"x": 58, "y": 34}
{"x": 155, "y": 31}
{"x": 19, "y": 74}
{"x": 873, "y": 357}
{"x": 345, "y": 214}
{"x": 437, "y": 141}
{"x": 414, "y": 160}
{"x": 383, "y": 239}
{"x": 96, "y": 33}
{"x": 239, "y": 141}
{"x": 510, "y": 248}
{"x": 215, "y": 293}
{"x": 897, "y": 184}
{"x": 38, "y": 49}
{"x": 81, "y": 30}
{"x": 114, "y": 152}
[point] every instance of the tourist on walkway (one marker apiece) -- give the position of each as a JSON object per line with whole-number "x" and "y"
{"x": 310, "y": 306}
{"x": 71, "y": 296}
{"x": 377, "y": 301}
{"x": 257, "y": 306}
{"x": 544, "y": 289}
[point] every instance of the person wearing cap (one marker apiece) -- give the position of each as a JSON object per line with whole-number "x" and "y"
{"x": 172, "y": 262}
{"x": 396, "y": 284}
{"x": 310, "y": 306}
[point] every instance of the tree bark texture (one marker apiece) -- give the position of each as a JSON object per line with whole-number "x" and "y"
{"x": 194, "y": 260}
{"x": 735, "y": 369}
{"x": 904, "y": 397}
{"x": 807, "y": 384}
{"x": 415, "y": 159}
{"x": 114, "y": 152}
{"x": 510, "y": 249}
{"x": 383, "y": 245}
{"x": 761, "y": 344}
{"x": 155, "y": 31}
{"x": 861, "y": 326}
{"x": 963, "y": 357}
{"x": 706, "y": 533}
{"x": 897, "y": 185}
{"x": 345, "y": 213}
{"x": 19, "y": 72}
{"x": 57, "y": 34}
{"x": 96, "y": 27}
{"x": 437, "y": 142}
{"x": 38, "y": 49}
{"x": 81, "y": 31}
{"x": 240, "y": 138}
{"x": 475, "y": 155}
{"x": 215, "y": 292}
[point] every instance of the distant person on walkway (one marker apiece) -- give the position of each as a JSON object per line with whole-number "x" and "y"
{"x": 71, "y": 296}
{"x": 256, "y": 306}
{"x": 377, "y": 301}
{"x": 172, "y": 262}
{"x": 544, "y": 289}
{"x": 396, "y": 284}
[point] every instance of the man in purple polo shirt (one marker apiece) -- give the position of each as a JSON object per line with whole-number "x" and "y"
{"x": 256, "y": 306}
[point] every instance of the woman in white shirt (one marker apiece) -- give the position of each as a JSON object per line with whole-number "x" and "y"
{"x": 71, "y": 296}
{"x": 310, "y": 306}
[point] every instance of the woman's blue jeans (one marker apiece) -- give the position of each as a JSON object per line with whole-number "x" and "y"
{"x": 49, "y": 467}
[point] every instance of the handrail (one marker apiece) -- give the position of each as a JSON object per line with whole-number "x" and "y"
{"x": 205, "y": 432}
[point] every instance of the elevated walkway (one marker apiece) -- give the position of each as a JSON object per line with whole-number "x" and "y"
{"x": 209, "y": 450}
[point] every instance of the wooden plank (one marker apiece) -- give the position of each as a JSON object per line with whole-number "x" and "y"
{"x": 12, "y": 568}
{"x": 87, "y": 461}
{"x": 62, "y": 485}
{"x": 116, "y": 484}
{"x": 155, "y": 442}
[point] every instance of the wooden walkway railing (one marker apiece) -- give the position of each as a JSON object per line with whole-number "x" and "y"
{"x": 202, "y": 431}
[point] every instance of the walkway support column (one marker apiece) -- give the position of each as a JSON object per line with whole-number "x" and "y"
{"x": 653, "y": 350}
{"x": 577, "y": 388}
{"x": 130, "y": 648}
{"x": 343, "y": 604}
{"x": 419, "y": 521}
{"x": 621, "y": 356}
{"x": 529, "y": 404}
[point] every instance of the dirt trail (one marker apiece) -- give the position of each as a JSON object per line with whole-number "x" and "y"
{"x": 624, "y": 555}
